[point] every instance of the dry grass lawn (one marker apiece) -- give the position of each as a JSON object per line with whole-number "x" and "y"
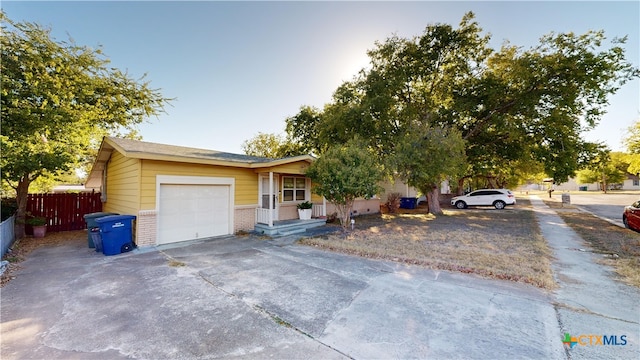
{"x": 500, "y": 244}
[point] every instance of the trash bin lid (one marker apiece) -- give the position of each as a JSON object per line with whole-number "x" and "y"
{"x": 114, "y": 218}
{"x": 97, "y": 215}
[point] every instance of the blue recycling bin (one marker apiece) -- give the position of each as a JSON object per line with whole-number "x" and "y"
{"x": 408, "y": 202}
{"x": 116, "y": 232}
{"x": 90, "y": 219}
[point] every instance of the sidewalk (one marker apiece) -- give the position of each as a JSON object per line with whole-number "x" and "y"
{"x": 589, "y": 300}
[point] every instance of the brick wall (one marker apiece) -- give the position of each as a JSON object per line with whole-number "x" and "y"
{"x": 146, "y": 228}
{"x": 244, "y": 218}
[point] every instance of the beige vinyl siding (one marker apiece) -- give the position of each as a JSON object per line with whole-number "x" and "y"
{"x": 315, "y": 198}
{"x": 246, "y": 180}
{"x": 123, "y": 185}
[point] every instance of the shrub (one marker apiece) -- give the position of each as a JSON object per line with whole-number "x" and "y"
{"x": 8, "y": 208}
{"x": 305, "y": 205}
{"x": 393, "y": 202}
{"x": 36, "y": 221}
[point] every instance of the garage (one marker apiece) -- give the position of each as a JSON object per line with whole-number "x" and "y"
{"x": 193, "y": 208}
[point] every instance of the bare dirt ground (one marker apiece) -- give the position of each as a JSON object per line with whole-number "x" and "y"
{"x": 501, "y": 244}
{"x": 23, "y": 247}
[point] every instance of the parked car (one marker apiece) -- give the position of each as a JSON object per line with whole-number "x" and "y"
{"x": 498, "y": 198}
{"x": 631, "y": 216}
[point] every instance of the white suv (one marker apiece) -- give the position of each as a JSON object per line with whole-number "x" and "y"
{"x": 499, "y": 198}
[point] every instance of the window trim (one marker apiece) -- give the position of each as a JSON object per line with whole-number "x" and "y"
{"x": 295, "y": 189}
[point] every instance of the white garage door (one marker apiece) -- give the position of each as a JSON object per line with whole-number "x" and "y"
{"x": 196, "y": 211}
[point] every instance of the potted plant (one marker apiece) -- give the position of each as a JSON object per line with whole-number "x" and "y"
{"x": 304, "y": 210}
{"x": 39, "y": 225}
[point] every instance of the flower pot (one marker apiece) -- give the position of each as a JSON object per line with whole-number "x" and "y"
{"x": 304, "y": 214}
{"x": 39, "y": 231}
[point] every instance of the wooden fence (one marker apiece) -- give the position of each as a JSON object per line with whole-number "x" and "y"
{"x": 64, "y": 212}
{"x": 7, "y": 234}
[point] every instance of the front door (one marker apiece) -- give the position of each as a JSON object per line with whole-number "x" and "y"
{"x": 264, "y": 194}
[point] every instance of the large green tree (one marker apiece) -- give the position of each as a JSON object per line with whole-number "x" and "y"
{"x": 632, "y": 141}
{"x": 272, "y": 146}
{"x": 56, "y": 96}
{"x": 302, "y": 130}
{"x": 428, "y": 156}
{"x": 264, "y": 145}
{"x": 344, "y": 173}
{"x": 513, "y": 106}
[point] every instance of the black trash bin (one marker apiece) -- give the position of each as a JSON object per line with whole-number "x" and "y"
{"x": 116, "y": 233}
{"x": 96, "y": 238}
{"x": 90, "y": 219}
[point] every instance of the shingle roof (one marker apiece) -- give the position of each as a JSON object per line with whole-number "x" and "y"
{"x": 153, "y": 151}
{"x": 142, "y": 147}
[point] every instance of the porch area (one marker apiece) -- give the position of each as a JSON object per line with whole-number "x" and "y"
{"x": 288, "y": 227}
{"x": 279, "y": 195}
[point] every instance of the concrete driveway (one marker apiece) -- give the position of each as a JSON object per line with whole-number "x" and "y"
{"x": 252, "y": 298}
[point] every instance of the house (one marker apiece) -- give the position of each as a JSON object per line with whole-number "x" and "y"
{"x": 180, "y": 193}
{"x": 631, "y": 182}
{"x": 398, "y": 186}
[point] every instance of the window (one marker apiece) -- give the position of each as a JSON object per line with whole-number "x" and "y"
{"x": 636, "y": 182}
{"x": 480, "y": 193}
{"x": 293, "y": 188}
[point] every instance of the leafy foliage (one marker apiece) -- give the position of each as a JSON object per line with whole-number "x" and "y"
{"x": 426, "y": 157}
{"x": 344, "y": 173}
{"x": 265, "y": 145}
{"x": 393, "y": 202}
{"x": 607, "y": 169}
{"x": 58, "y": 99}
{"x": 632, "y": 141}
{"x": 302, "y": 130}
{"x": 305, "y": 205}
{"x": 516, "y": 108}
{"x": 272, "y": 146}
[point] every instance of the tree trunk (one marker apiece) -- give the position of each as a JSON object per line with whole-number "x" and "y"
{"x": 460, "y": 190}
{"x": 433, "y": 200}
{"x": 491, "y": 180}
{"x": 22, "y": 194}
{"x": 344, "y": 213}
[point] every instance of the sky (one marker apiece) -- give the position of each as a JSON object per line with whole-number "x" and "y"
{"x": 237, "y": 69}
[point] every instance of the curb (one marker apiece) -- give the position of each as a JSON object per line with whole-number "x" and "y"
{"x": 601, "y": 217}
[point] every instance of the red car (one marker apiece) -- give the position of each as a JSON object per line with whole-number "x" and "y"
{"x": 631, "y": 216}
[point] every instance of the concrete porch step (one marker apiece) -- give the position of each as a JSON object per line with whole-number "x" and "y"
{"x": 288, "y": 227}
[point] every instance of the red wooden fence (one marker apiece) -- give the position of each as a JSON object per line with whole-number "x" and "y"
{"x": 64, "y": 212}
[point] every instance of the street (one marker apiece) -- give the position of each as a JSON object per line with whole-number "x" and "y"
{"x": 609, "y": 206}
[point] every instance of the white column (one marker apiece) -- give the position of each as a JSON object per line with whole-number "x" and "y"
{"x": 324, "y": 206}
{"x": 270, "y": 198}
